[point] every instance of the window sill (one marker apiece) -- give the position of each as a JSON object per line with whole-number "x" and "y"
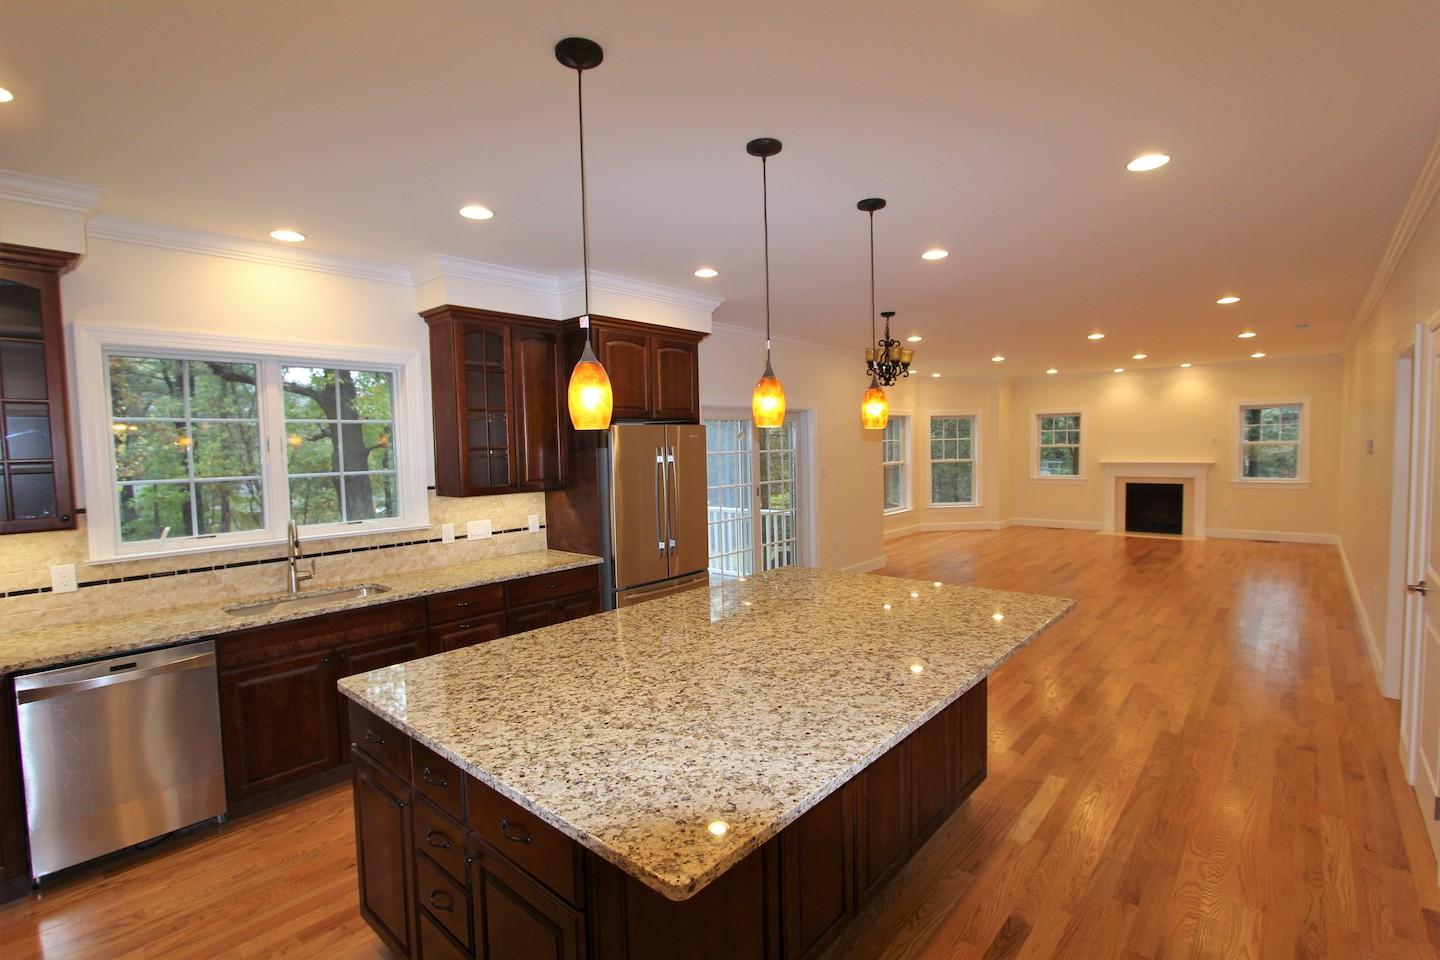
{"x": 956, "y": 506}
{"x": 211, "y": 547}
{"x": 896, "y": 511}
{"x": 1055, "y": 478}
{"x": 1272, "y": 484}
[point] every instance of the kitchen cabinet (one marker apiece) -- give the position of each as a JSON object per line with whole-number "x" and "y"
{"x": 625, "y": 354}
{"x": 815, "y": 871}
{"x": 883, "y": 833}
{"x": 932, "y": 780}
{"x": 675, "y": 366}
{"x": 497, "y": 383}
{"x": 36, "y": 489}
{"x": 654, "y": 371}
{"x": 14, "y": 858}
{"x": 383, "y": 811}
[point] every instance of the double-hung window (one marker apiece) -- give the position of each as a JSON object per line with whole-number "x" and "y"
{"x": 1272, "y": 441}
{"x": 952, "y": 460}
{"x": 896, "y": 454}
{"x": 1057, "y": 452}
{"x": 195, "y": 445}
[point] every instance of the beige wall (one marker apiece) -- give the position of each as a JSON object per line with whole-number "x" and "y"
{"x": 825, "y": 386}
{"x": 1175, "y": 414}
{"x": 1411, "y": 297}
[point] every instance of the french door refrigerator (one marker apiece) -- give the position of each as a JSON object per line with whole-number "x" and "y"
{"x": 656, "y": 536}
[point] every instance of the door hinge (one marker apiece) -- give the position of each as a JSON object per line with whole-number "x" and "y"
{"x": 1420, "y": 587}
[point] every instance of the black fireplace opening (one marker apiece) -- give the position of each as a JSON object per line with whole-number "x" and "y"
{"x": 1155, "y": 508}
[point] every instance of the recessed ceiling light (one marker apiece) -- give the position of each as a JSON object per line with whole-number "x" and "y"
{"x": 476, "y": 212}
{"x": 289, "y": 236}
{"x": 1257, "y": 355}
{"x": 1186, "y": 364}
{"x": 914, "y": 338}
{"x": 934, "y": 253}
{"x": 935, "y": 375}
{"x": 997, "y": 359}
{"x": 1140, "y": 356}
{"x": 1246, "y": 335}
{"x": 705, "y": 273}
{"x": 1223, "y": 301}
{"x": 1096, "y": 336}
{"x": 1147, "y": 161}
{"x": 1052, "y": 370}
{"x": 1119, "y": 369}
{"x": 5, "y": 95}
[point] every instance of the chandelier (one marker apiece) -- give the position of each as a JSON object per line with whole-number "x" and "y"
{"x": 888, "y": 361}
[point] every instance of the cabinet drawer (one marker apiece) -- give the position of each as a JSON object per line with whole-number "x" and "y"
{"x": 525, "y": 840}
{"x": 440, "y": 838}
{"x": 263, "y": 644}
{"x": 437, "y": 780}
{"x": 443, "y": 899}
{"x": 468, "y": 632}
{"x": 434, "y": 944}
{"x": 461, "y": 604}
{"x": 378, "y": 740}
{"x": 552, "y": 585}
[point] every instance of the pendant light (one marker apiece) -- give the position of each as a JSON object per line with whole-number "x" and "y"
{"x": 590, "y": 398}
{"x": 874, "y": 406}
{"x": 767, "y": 403}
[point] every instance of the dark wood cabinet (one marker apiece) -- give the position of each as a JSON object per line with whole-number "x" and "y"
{"x": 36, "y": 488}
{"x": 522, "y": 920}
{"x": 932, "y": 780}
{"x": 14, "y": 853}
{"x": 383, "y": 812}
{"x": 816, "y": 875}
{"x": 278, "y": 723}
{"x": 625, "y": 355}
{"x": 883, "y": 834}
{"x": 675, "y": 369}
{"x": 968, "y": 739}
{"x": 467, "y": 633}
{"x": 654, "y": 371}
{"x": 497, "y": 385}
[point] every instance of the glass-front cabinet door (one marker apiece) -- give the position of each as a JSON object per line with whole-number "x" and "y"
{"x": 35, "y": 486}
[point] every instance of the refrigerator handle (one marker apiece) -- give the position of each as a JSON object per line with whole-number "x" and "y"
{"x": 662, "y": 507}
{"x": 671, "y": 520}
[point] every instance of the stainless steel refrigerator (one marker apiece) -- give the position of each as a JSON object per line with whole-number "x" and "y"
{"x": 655, "y": 536}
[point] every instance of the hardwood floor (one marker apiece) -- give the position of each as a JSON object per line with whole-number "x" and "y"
{"x": 1195, "y": 763}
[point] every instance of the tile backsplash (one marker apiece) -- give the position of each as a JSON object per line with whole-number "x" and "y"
{"x": 134, "y": 586}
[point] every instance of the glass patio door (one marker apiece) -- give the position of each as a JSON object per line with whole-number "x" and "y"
{"x": 753, "y": 496}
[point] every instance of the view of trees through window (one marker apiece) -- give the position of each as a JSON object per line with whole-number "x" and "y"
{"x": 952, "y": 460}
{"x": 1059, "y": 445}
{"x": 1270, "y": 442}
{"x": 339, "y": 426}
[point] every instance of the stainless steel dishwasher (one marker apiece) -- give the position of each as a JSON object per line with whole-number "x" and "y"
{"x": 118, "y": 751}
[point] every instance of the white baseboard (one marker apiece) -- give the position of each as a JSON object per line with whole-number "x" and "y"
{"x": 1281, "y": 535}
{"x": 1377, "y": 661}
{"x": 947, "y": 526}
{"x": 865, "y": 566}
{"x": 1059, "y": 524}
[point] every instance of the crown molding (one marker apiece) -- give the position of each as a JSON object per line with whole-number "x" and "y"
{"x": 186, "y": 240}
{"x": 440, "y": 265}
{"x": 613, "y": 283}
{"x": 1427, "y": 187}
{"x": 48, "y": 192}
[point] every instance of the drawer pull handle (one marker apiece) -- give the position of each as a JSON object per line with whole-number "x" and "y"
{"x": 464, "y": 603}
{"x": 436, "y": 781}
{"x": 463, "y": 626}
{"x": 373, "y": 737}
{"x": 513, "y": 838}
{"x": 446, "y": 904}
{"x": 443, "y": 844}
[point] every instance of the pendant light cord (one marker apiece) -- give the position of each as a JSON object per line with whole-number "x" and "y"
{"x": 765, "y": 219}
{"x": 872, "y": 274}
{"x": 584, "y": 203}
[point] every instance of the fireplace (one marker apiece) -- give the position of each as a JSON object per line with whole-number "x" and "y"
{"x": 1155, "y": 508}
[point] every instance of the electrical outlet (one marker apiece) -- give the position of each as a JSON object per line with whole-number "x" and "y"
{"x": 477, "y": 530}
{"x": 62, "y": 578}
{"x": 447, "y": 533}
{"x": 534, "y": 522}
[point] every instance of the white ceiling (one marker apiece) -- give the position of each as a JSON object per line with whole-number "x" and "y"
{"x": 998, "y": 129}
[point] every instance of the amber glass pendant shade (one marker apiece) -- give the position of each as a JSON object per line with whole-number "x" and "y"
{"x": 591, "y": 399}
{"x": 874, "y": 408}
{"x": 767, "y": 403}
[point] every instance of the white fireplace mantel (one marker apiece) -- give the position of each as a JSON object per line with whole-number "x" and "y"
{"x": 1195, "y": 471}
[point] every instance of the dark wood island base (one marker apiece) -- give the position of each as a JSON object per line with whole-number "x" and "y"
{"x": 451, "y": 869}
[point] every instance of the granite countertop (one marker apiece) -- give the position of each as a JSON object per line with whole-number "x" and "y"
{"x": 49, "y": 646}
{"x": 634, "y": 731}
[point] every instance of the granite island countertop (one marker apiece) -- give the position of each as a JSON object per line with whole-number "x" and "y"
{"x": 634, "y": 731}
{"x": 88, "y": 639}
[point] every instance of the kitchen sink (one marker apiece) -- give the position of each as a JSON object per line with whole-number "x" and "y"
{"x": 310, "y": 598}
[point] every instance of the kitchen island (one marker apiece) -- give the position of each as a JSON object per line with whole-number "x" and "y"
{"x": 723, "y": 773}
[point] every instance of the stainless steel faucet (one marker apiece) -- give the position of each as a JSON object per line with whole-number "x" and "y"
{"x": 294, "y": 554}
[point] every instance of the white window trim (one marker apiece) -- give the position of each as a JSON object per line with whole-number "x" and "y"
{"x": 975, "y": 451}
{"x": 1035, "y": 474}
{"x": 97, "y": 447}
{"x": 907, "y": 502}
{"x": 1302, "y": 478}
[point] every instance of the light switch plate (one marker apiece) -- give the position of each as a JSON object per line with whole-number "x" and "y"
{"x": 447, "y": 533}
{"x": 477, "y": 530}
{"x": 62, "y": 578}
{"x": 534, "y": 522}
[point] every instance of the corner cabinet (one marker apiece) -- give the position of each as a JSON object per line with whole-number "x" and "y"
{"x": 36, "y": 491}
{"x": 496, "y": 381}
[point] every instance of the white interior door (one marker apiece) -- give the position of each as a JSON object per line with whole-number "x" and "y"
{"x": 753, "y": 496}
{"x": 1420, "y": 686}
